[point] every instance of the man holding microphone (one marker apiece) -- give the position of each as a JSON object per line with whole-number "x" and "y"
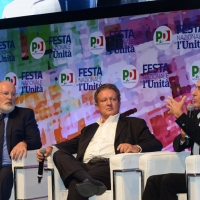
{"x": 166, "y": 186}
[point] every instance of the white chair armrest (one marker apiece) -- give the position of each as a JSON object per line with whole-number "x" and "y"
{"x": 124, "y": 176}
{"x": 125, "y": 161}
{"x": 193, "y": 164}
{"x": 193, "y": 171}
{"x": 25, "y": 178}
{"x": 30, "y": 160}
{"x": 162, "y": 162}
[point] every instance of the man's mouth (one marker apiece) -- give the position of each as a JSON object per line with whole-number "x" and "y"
{"x": 8, "y": 103}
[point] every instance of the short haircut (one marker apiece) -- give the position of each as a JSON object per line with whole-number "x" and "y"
{"x": 107, "y": 86}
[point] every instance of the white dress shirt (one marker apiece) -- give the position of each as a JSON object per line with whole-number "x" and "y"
{"x": 102, "y": 143}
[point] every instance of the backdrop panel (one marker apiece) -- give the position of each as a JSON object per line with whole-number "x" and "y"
{"x": 56, "y": 69}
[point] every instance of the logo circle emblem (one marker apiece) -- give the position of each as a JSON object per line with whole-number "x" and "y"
{"x": 37, "y": 48}
{"x": 162, "y": 37}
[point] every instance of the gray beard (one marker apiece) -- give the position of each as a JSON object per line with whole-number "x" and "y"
{"x": 8, "y": 109}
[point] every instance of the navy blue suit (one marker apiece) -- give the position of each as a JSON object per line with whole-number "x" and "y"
{"x": 21, "y": 126}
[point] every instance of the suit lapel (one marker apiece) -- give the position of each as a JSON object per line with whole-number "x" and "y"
{"x": 120, "y": 125}
{"x": 11, "y": 119}
{"x": 92, "y": 131}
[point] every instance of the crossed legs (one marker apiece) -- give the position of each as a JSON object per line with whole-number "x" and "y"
{"x": 73, "y": 171}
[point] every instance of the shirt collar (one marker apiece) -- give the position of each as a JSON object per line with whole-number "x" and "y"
{"x": 198, "y": 116}
{"x": 110, "y": 119}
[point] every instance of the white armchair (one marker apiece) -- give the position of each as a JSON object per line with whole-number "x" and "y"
{"x": 26, "y": 184}
{"x": 125, "y": 179}
{"x": 193, "y": 177}
{"x": 162, "y": 163}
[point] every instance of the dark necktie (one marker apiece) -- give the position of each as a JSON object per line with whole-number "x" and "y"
{"x": 2, "y": 125}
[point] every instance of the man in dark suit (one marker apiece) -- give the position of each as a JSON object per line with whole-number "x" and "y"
{"x": 18, "y": 133}
{"x": 166, "y": 186}
{"x": 89, "y": 174}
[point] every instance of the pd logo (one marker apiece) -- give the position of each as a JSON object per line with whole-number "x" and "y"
{"x": 130, "y": 76}
{"x": 162, "y": 37}
{"x": 12, "y": 77}
{"x": 37, "y": 48}
{"x": 97, "y": 43}
{"x": 195, "y": 72}
{"x": 67, "y": 79}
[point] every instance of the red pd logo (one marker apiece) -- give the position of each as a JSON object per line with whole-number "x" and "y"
{"x": 12, "y": 77}
{"x": 130, "y": 76}
{"x": 37, "y": 48}
{"x": 97, "y": 43}
{"x": 162, "y": 37}
{"x": 66, "y": 79}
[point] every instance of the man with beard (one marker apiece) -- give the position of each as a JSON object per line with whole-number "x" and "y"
{"x": 18, "y": 133}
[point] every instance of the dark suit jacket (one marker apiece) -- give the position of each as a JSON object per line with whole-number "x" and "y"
{"x": 191, "y": 128}
{"x": 22, "y": 126}
{"x": 129, "y": 130}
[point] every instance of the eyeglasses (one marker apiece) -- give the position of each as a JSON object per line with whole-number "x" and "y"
{"x": 6, "y": 94}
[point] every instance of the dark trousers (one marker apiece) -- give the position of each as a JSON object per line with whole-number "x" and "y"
{"x": 164, "y": 187}
{"x": 6, "y": 182}
{"x": 67, "y": 165}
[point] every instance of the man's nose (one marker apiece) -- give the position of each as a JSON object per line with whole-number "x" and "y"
{"x": 194, "y": 92}
{"x": 9, "y": 96}
{"x": 109, "y": 101}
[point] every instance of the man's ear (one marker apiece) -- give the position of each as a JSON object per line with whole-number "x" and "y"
{"x": 96, "y": 105}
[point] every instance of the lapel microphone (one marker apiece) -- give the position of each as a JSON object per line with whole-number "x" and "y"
{"x": 190, "y": 109}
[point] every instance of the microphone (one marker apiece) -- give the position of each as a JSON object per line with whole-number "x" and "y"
{"x": 190, "y": 109}
{"x": 41, "y": 166}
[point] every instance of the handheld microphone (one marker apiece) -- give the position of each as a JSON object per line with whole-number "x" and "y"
{"x": 41, "y": 166}
{"x": 190, "y": 108}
